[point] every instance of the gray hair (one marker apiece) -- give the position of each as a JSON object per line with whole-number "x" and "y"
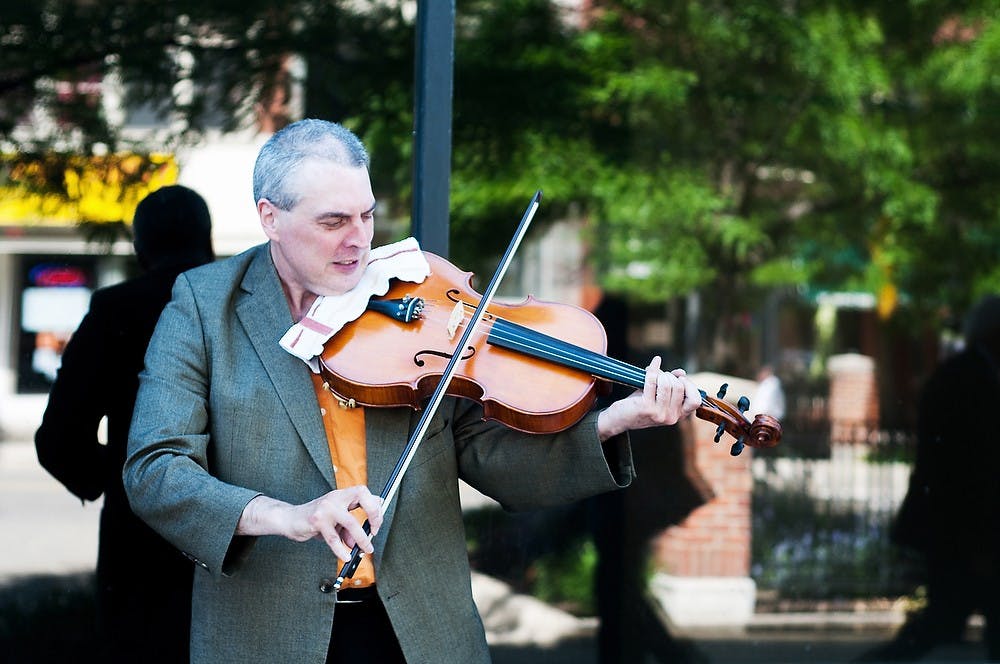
{"x": 285, "y": 151}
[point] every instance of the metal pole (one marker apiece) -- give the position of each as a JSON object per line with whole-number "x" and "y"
{"x": 435, "y": 55}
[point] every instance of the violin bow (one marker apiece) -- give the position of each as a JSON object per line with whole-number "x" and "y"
{"x": 392, "y": 484}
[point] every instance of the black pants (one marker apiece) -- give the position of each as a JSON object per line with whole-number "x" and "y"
{"x": 362, "y": 631}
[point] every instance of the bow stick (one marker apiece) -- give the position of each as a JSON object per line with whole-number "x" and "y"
{"x": 392, "y": 484}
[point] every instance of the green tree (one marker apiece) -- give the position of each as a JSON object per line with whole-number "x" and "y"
{"x": 837, "y": 145}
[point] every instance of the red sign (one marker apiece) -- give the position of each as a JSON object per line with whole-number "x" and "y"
{"x": 48, "y": 275}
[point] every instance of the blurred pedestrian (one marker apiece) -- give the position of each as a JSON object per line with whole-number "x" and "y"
{"x": 951, "y": 513}
{"x": 143, "y": 583}
{"x": 625, "y": 523}
{"x": 769, "y": 399}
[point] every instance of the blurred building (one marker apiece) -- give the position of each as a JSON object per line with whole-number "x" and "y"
{"x": 64, "y": 231}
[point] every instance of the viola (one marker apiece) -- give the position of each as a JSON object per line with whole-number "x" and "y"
{"x": 535, "y": 366}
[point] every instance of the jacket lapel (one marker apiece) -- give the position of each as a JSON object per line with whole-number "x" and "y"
{"x": 264, "y": 313}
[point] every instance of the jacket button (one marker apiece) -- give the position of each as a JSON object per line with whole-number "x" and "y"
{"x": 326, "y": 586}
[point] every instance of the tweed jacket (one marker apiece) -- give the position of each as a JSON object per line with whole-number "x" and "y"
{"x": 225, "y": 414}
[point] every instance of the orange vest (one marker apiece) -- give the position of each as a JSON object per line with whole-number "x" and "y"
{"x": 345, "y": 435}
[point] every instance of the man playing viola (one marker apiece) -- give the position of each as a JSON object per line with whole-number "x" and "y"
{"x": 242, "y": 458}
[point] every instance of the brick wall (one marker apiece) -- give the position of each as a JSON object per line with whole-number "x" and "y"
{"x": 714, "y": 540}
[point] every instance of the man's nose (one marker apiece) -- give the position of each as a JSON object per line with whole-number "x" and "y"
{"x": 358, "y": 232}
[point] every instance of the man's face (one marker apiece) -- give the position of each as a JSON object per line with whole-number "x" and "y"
{"x": 322, "y": 244}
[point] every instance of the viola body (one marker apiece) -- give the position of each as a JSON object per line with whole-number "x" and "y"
{"x": 403, "y": 362}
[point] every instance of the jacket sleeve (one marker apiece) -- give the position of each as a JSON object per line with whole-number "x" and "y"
{"x": 66, "y": 441}
{"x": 525, "y": 471}
{"x": 166, "y": 472}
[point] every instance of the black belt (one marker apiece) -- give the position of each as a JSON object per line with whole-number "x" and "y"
{"x": 357, "y": 595}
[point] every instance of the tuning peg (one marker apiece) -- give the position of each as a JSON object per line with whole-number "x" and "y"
{"x": 718, "y": 432}
{"x": 743, "y": 405}
{"x": 722, "y": 391}
{"x": 737, "y": 447}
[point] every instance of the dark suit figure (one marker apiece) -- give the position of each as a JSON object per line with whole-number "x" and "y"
{"x": 951, "y": 513}
{"x": 143, "y": 583}
{"x": 625, "y": 522}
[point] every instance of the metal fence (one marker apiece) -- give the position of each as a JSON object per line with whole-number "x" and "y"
{"x": 822, "y": 512}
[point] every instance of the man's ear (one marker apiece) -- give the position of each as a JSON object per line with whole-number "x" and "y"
{"x": 268, "y": 218}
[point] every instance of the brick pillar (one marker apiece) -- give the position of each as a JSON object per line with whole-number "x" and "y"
{"x": 853, "y": 404}
{"x": 715, "y": 539}
{"x": 704, "y": 562}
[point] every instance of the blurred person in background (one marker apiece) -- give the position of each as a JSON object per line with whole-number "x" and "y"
{"x": 625, "y": 523}
{"x": 951, "y": 513}
{"x": 143, "y": 582}
{"x": 769, "y": 399}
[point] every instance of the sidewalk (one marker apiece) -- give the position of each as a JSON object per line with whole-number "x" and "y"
{"x": 47, "y": 532}
{"x": 44, "y": 529}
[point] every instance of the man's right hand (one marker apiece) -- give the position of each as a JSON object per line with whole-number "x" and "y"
{"x": 328, "y": 518}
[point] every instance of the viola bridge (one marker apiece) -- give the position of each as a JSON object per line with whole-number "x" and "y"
{"x": 455, "y": 319}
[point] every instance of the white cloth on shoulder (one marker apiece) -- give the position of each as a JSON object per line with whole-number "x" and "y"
{"x": 400, "y": 260}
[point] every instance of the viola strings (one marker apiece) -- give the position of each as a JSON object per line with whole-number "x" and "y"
{"x": 543, "y": 346}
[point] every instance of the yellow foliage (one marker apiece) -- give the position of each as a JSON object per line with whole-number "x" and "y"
{"x": 66, "y": 189}
{"x": 888, "y": 300}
